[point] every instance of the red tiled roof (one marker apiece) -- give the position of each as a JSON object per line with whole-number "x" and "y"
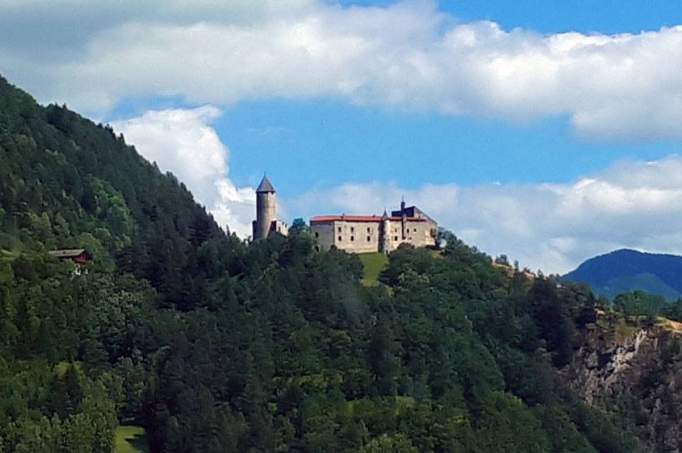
{"x": 358, "y": 218}
{"x": 347, "y": 218}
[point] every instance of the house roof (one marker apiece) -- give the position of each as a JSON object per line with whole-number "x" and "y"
{"x": 357, "y": 218}
{"x": 265, "y": 186}
{"x": 413, "y": 211}
{"x": 66, "y": 253}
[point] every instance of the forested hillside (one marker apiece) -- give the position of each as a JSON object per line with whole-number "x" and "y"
{"x": 213, "y": 345}
{"x": 628, "y": 270}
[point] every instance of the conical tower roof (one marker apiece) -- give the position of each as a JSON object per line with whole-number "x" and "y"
{"x": 265, "y": 186}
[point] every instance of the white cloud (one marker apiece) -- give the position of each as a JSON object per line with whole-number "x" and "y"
{"x": 407, "y": 56}
{"x": 184, "y": 143}
{"x": 549, "y": 226}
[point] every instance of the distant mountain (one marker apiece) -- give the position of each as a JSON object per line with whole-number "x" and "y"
{"x": 626, "y": 270}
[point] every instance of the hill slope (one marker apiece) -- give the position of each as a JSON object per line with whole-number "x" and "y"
{"x": 214, "y": 345}
{"x": 635, "y": 369}
{"x": 627, "y": 270}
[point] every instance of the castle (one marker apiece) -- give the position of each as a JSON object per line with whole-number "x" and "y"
{"x": 266, "y": 212}
{"x": 373, "y": 233}
{"x": 352, "y": 233}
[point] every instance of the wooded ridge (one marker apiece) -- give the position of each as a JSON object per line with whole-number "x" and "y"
{"x": 213, "y": 344}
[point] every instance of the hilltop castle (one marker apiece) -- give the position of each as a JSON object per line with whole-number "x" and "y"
{"x": 372, "y": 233}
{"x": 352, "y": 233}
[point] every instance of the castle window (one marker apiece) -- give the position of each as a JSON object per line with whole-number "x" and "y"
{"x": 369, "y": 238}
{"x": 317, "y": 235}
{"x": 339, "y": 229}
{"x": 369, "y": 230}
{"x": 352, "y": 229}
{"x": 415, "y": 230}
{"x": 352, "y": 238}
{"x": 340, "y": 238}
{"x": 395, "y": 238}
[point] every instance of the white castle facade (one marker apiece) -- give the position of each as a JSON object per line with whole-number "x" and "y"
{"x": 373, "y": 233}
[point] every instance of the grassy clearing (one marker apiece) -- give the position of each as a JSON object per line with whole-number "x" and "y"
{"x": 373, "y": 263}
{"x": 7, "y": 255}
{"x": 130, "y": 439}
{"x": 61, "y": 367}
{"x": 624, "y": 330}
{"x": 437, "y": 253}
{"x": 669, "y": 324}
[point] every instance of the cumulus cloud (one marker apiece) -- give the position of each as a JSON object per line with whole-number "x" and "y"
{"x": 183, "y": 142}
{"x": 548, "y": 226}
{"x": 408, "y": 55}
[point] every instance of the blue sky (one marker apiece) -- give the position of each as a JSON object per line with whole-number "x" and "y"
{"x": 603, "y": 16}
{"x": 544, "y": 130}
{"x": 324, "y": 144}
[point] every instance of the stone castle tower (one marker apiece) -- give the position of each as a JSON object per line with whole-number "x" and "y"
{"x": 385, "y": 234}
{"x": 266, "y": 212}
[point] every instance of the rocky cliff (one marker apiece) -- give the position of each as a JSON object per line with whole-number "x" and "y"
{"x": 633, "y": 369}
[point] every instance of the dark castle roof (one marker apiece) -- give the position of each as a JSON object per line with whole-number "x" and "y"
{"x": 412, "y": 211}
{"x": 265, "y": 186}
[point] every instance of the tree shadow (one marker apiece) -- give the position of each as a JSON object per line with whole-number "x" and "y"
{"x": 139, "y": 441}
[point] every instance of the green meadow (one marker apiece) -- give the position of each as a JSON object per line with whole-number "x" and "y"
{"x": 130, "y": 439}
{"x": 373, "y": 263}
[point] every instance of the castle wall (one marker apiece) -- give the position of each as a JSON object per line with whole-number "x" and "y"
{"x": 420, "y": 234}
{"x": 417, "y": 233}
{"x": 366, "y": 237}
{"x": 323, "y": 233}
{"x": 355, "y": 237}
{"x": 280, "y": 227}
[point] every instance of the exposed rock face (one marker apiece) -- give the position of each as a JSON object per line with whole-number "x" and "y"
{"x": 636, "y": 372}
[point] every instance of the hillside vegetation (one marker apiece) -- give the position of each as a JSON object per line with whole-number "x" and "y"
{"x": 215, "y": 345}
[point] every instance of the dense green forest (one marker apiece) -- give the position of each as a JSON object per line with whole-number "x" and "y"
{"x": 216, "y": 345}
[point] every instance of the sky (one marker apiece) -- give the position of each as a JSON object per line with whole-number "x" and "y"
{"x": 547, "y": 131}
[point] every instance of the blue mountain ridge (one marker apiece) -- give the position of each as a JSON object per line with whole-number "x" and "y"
{"x": 627, "y": 270}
